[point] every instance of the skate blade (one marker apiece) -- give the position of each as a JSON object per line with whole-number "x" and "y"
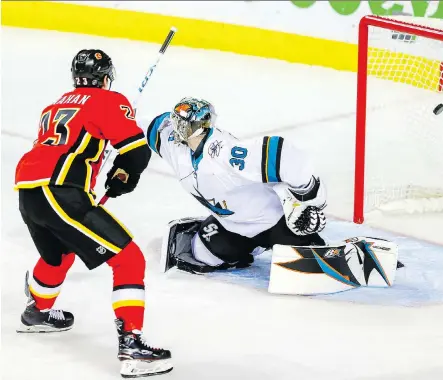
{"x": 131, "y": 369}
{"x": 39, "y": 329}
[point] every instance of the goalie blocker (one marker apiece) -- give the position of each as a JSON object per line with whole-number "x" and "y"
{"x": 302, "y": 270}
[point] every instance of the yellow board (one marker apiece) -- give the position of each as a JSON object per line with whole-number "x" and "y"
{"x": 117, "y": 23}
{"x": 192, "y": 33}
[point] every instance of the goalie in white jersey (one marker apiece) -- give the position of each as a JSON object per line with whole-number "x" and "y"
{"x": 260, "y": 193}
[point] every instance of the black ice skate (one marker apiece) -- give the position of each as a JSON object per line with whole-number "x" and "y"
{"x": 34, "y": 320}
{"x": 139, "y": 359}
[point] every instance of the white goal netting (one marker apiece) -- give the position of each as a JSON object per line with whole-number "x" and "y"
{"x": 404, "y": 138}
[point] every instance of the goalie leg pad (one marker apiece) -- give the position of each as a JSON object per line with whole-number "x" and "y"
{"x": 183, "y": 248}
{"x": 177, "y": 241}
{"x": 380, "y": 261}
{"x": 329, "y": 269}
{"x": 203, "y": 254}
{"x": 230, "y": 248}
{"x": 198, "y": 245}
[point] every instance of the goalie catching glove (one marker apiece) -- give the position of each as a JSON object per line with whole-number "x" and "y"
{"x": 303, "y": 207}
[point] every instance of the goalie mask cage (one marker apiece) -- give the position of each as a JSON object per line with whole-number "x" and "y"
{"x": 399, "y": 139}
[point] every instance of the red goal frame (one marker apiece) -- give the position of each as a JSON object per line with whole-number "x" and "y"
{"x": 362, "y": 75}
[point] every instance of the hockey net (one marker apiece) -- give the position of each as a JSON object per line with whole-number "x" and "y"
{"x": 399, "y": 139}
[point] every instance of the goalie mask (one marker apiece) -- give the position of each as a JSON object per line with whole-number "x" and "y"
{"x": 191, "y": 117}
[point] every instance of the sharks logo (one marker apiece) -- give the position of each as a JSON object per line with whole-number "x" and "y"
{"x": 334, "y": 263}
{"x": 221, "y": 209}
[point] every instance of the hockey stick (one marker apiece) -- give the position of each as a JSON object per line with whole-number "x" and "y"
{"x": 143, "y": 84}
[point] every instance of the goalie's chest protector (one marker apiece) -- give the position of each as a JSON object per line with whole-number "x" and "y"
{"x": 204, "y": 178}
{"x": 241, "y": 205}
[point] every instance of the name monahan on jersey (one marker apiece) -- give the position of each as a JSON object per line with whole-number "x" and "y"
{"x": 233, "y": 178}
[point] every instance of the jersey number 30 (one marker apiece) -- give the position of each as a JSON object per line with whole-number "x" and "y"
{"x": 57, "y": 126}
{"x": 238, "y": 157}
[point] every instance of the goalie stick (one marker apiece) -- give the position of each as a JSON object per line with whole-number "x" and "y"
{"x": 143, "y": 84}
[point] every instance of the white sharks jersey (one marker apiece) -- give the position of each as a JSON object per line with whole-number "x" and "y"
{"x": 234, "y": 179}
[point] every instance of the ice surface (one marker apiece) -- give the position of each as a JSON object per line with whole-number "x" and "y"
{"x": 225, "y": 326}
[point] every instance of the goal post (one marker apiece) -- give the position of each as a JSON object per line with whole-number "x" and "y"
{"x": 399, "y": 82}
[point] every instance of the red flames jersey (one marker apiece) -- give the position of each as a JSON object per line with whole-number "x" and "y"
{"x": 72, "y": 136}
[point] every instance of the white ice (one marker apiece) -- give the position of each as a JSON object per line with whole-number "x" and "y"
{"x": 225, "y": 326}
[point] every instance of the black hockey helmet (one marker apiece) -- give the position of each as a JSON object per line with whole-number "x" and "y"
{"x": 89, "y": 68}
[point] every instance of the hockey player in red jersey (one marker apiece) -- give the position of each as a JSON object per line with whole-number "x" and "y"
{"x": 55, "y": 180}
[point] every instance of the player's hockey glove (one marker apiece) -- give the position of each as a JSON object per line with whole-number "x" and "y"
{"x": 126, "y": 170}
{"x": 303, "y": 207}
{"x": 119, "y": 181}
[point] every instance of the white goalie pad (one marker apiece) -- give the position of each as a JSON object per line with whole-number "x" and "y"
{"x": 358, "y": 262}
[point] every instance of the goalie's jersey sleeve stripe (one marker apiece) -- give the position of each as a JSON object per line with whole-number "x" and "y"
{"x": 76, "y": 224}
{"x": 130, "y": 143}
{"x": 153, "y": 135}
{"x": 271, "y": 157}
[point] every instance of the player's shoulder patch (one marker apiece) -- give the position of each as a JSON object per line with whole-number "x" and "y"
{"x": 153, "y": 134}
{"x": 164, "y": 121}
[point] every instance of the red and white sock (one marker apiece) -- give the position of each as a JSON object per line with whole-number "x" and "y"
{"x": 47, "y": 280}
{"x": 128, "y": 296}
